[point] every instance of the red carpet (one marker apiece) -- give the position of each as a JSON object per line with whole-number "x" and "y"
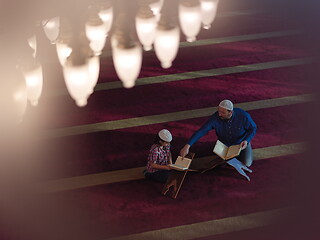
{"x": 139, "y": 206}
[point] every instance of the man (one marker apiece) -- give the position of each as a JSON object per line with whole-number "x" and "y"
{"x": 233, "y": 126}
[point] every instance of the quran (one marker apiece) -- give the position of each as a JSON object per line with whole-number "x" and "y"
{"x": 181, "y": 164}
{"x": 226, "y": 152}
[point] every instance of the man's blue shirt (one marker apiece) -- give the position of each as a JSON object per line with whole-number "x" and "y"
{"x": 233, "y": 131}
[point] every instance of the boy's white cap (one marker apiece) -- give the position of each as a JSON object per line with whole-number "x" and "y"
{"x": 227, "y": 104}
{"x": 165, "y": 135}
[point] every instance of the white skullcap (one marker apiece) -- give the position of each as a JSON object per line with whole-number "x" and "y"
{"x": 165, "y": 135}
{"x": 227, "y": 104}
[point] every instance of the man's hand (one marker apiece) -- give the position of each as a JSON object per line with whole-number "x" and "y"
{"x": 243, "y": 144}
{"x": 185, "y": 150}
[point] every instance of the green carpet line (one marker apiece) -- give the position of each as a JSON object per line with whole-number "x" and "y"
{"x": 170, "y": 117}
{"x": 240, "y": 38}
{"x": 131, "y": 174}
{"x": 209, "y": 73}
{"x": 220, "y": 40}
{"x": 205, "y": 73}
{"x": 242, "y": 13}
{"x": 217, "y": 226}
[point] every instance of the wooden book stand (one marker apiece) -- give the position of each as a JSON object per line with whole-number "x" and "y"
{"x": 175, "y": 180}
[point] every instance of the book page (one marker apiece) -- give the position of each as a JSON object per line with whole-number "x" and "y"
{"x": 185, "y": 163}
{"x": 233, "y": 151}
{"x": 220, "y": 149}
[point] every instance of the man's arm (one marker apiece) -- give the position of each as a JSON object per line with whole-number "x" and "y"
{"x": 185, "y": 150}
{"x": 209, "y": 125}
{"x": 250, "y": 127}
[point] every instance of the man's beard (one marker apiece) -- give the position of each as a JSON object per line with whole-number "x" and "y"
{"x": 225, "y": 118}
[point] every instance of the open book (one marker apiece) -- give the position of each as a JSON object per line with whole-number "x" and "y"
{"x": 226, "y": 152}
{"x": 181, "y": 164}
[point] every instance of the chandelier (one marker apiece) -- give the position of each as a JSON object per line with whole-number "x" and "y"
{"x": 79, "y": 33}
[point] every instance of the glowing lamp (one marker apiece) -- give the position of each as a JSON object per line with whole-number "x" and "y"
{"x": 127, "y": 62}
{"x": 190, "y": 18}
{"x": 166, "y": 45}
{"x": 146, "y": 24}
{"x": 51, "y": 28}
{"x": 34, "y": 82}
{"x": 208, "y": 12}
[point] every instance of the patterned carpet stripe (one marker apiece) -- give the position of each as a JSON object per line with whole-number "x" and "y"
{"x": 208, "y": 73}
{"x": 168, "y": 117}
{"x": 220, "y": 40}
{"x": 136, "y": 173}
{"x": 240, "y": 13}
{"x": 214, "y": 227}
{"x": 240, "y": 38}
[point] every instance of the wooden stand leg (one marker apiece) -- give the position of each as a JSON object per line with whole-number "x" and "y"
{"x": 174, "y": 183}
{"x": 175, "y": 180}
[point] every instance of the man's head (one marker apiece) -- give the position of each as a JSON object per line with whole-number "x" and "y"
{"x": 225, "y": 109}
